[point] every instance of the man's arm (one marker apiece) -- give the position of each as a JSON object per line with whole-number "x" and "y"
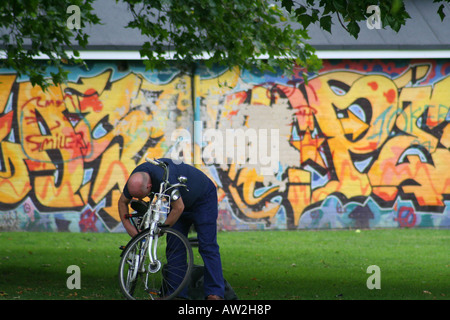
{"x": 175, "y": 212}
{"x": 123, "y": 210}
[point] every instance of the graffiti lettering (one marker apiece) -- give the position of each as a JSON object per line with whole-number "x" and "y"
{"x": 73, "y": 141}
{"x": 368, "y": 132}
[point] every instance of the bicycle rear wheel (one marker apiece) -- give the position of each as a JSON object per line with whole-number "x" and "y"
{"x": 163, "y": 280}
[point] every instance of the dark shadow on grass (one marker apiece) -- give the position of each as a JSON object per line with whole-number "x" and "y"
{"x": 46, "y": 282}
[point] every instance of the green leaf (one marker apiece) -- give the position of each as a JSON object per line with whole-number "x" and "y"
{"x": 441, "y": 12}
{"x": 305, "y": 20}
{"x": 325, "y": 23}
{"x": 353, "y": 28}
{"x": 288, "y": 4}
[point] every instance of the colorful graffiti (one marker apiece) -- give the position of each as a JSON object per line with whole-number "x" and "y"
{"x": 66, "y": 153}
{"x": 363, "y": 144}
{"x": 374, "y": 136}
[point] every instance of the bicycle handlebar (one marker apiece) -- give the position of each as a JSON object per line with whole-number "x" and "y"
{"x": 161, "y": 164}
{"x": 165, "y": 166}
{"x": 153, "y": 161}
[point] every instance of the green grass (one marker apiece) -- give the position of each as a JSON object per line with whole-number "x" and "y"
{"x": 265, "y": 265}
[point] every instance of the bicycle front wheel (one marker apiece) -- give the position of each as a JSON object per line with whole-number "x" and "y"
{"x": 166, "y": 277}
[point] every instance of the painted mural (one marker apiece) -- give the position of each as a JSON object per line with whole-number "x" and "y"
{"x": 362, "y": 144}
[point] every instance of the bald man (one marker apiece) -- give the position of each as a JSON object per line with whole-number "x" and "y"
{"x": 197, "y": 206}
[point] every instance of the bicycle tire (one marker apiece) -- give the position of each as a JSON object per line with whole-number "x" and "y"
{"x": 168, "y": 279}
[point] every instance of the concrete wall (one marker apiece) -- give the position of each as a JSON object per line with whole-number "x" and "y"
{"x": 364, "y": 144}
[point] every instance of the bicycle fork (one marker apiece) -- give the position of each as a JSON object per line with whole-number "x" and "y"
{"x": 154, "y": 264}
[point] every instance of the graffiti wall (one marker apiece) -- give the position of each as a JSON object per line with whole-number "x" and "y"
{"x": 362, "y": 144}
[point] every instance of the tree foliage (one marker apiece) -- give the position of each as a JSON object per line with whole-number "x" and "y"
{"x": 29, "y": 28}
{"x": 244, "y": 33}
{"x": 349, "y": 13}
{"x": 230, "y": 32}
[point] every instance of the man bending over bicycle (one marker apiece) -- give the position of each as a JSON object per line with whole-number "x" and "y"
{"x": 197, "y": 206}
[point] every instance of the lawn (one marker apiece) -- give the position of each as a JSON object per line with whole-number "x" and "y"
{"x": 414, "y": 264}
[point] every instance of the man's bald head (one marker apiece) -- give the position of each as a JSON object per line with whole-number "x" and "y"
{"x": 139, "y": 185}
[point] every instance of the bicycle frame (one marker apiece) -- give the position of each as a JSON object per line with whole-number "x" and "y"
{"x": 159, "y": 206}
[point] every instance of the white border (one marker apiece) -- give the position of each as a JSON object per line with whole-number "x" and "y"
{"x": 383, "y": 54}
{"x": 322, "y": 54}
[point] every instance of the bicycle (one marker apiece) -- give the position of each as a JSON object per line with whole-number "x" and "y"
{"x": 150, "y": 268}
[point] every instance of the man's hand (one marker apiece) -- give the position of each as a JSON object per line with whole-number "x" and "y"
{"x": 175, "y": 212}
{"x": 123, "y": 212}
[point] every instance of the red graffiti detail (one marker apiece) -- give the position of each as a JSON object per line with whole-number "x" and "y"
{"x": 43, "y": 103}
{"x": 6, "y": 122}
{"x": 406, "y": 217}
{"x": 305, "y": 110}
{"x": 91, "y": 100}
{"x": 390, "y": 95}
{"x": 233, "y": 113}
{"x": 370, "y": 147}
{"x": 72, "y": 141}
{"x": 87, "y": 221}
{"x": 373, "y": 85}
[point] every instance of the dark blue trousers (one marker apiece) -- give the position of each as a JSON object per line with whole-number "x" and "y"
{"x": 204, "y": 218}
